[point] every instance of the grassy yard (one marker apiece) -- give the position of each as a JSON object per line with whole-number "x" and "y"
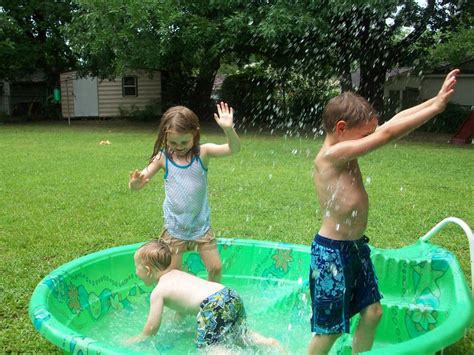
{"x": 62, "y": 195}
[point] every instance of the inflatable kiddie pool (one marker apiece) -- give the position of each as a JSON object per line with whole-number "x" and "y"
{"x": 91, "y": 304}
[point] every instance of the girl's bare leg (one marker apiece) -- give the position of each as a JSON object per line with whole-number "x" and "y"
{"x": 212, "y": 261}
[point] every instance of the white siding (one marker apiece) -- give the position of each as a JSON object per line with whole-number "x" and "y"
{"x": 399, "y": 83}
{"x": 111, "y": 99}
{"x": 463, "y": 93}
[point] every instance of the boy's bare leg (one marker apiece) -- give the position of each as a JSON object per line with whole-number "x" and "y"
{"x": 320, "y": 344}
{"x": 365, "y": 333}
{"x": 212, "y": 261}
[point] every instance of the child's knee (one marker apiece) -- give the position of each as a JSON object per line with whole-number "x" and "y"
{"x": 215, "y": 267}
{"x": 373, "y": 314}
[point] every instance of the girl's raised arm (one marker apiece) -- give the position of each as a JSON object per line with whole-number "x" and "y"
{"x": 225, "y": 119}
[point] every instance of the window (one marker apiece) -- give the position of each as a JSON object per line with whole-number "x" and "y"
{"x": 129, "y": 86}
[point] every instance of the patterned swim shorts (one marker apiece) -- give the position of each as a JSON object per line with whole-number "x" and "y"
{"x": 221, "y": 317}
{"x": 342, "y": 283}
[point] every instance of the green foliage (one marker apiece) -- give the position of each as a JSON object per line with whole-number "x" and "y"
{"x": 150, "y": 113}
{"x": 455, "y": 48}
{"x": 269, "y": 97}
{"x": 31, "y": 39}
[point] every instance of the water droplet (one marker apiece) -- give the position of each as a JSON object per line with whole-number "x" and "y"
{"x": 368, "y": 180}
{"x": 289, "y": 327}
{"x": 401, "y": 189}
{"x": 270, "y": 176}
{"x": 338, "y": 226}
{"x": 300, "y": 280}
{"x": 294, "y": 151}
{"x": 354, "y": 213}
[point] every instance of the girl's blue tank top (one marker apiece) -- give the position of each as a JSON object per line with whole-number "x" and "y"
{"x": 186, "y": 208}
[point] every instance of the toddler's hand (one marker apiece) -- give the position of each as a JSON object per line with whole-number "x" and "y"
{"x": 136, "y": 180}
{"x": 224, "y": 116}
{"x": 133, "y": 340}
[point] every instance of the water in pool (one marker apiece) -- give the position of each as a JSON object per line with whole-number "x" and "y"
{"x": 274, "y": 309}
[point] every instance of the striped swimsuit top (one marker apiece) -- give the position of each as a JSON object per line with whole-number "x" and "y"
{"x": 186, "y": 208}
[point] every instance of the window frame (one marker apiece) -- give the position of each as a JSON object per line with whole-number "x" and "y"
{"x": 127, "y": 86}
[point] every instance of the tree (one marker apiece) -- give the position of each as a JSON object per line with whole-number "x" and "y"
{"x": 186, "y": 39}
{"x": 454, "y": 48}
{"x": 31, "y": 38}
{"x": 333, "y": 37}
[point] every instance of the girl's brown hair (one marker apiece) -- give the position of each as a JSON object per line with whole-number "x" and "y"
{"x": 181, "y": 120}
{"x": 155, "y": 254}
{"x": 350, "y": 107}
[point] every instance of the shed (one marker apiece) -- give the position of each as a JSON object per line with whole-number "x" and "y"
{"x": 93, "y": 97}
{"x": 23, "y": 96}
{"x": 404, "y": 88}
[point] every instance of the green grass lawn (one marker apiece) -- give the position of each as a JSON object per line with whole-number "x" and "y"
{"x": 62, "y": 195}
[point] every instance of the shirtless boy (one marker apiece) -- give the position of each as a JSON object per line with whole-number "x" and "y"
{"x": 342, "y": 276}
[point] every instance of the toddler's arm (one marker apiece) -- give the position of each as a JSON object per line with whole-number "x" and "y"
{"x": 154, "y": 319}
{"x": 138, "y": 179}
{"x": 225, "y": 119}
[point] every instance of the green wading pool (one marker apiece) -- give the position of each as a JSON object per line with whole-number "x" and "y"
{"x": 93, "y": 303}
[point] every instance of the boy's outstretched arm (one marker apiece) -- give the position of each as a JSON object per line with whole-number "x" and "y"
{"x": 351, "y": 149}
{"x": 450, "y": 78}
{"x": 225, "y": 119}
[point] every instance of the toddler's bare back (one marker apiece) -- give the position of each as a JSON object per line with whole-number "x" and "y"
{"x": 185, "y": 292}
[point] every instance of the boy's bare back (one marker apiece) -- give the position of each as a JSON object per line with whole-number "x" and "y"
{"x": 184, "y": 292}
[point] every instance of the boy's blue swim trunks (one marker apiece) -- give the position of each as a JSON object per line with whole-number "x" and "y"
{"x": 221, "y": 317}
{"x": 342, "y": 283}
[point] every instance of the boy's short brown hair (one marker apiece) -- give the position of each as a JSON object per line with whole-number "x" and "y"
{"x": 155, "y": 253}
{"x": 350, "y": 107}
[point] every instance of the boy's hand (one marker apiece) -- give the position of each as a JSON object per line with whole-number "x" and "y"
{"x": 136, "y": 180}
{"x": 446, "y": 90}
{"x": 224, "y": 116}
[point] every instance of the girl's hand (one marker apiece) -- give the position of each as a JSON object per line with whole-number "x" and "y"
{"x": 224, "y": 116}
{"x": 136, "y": 180}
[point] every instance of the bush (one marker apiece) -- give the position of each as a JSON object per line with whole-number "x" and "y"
{"x": 265, "y": 97}
{"x": 448, "y": 121}
{"x": 150, "y": 113}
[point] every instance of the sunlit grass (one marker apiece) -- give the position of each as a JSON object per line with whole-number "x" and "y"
{"x": 62, "y": 195}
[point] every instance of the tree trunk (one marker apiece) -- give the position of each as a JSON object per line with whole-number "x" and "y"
{"x": 346, "y": 78}
{"x": 372, "y": 80}
{"x": 200, "y": 101}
